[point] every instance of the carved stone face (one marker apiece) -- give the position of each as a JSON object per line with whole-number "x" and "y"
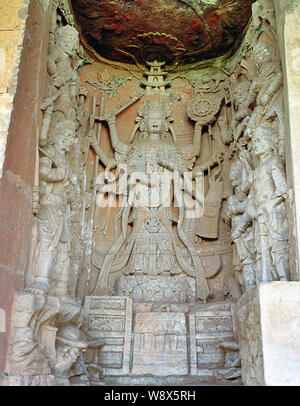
{"x": 66, "y": 356}
{"x": 261, "y": 142}
{"x": 69, "y": 40}
{"x": 241, "y": 94}
{"x": 155, "y": 122}
{"x": 64, "y": 139}
{"x": 262, "y": 55}
{"x": 235, "y": 175}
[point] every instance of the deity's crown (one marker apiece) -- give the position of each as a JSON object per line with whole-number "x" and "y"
{"x": 156, "y": 105}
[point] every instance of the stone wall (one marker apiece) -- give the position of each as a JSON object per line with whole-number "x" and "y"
{"x": 23, "y": 47}
{"x": 13, "y": 16}
{"x": 288, "y": 30}
{"x": 250, "y": 339}
{"x": 268, "y": 335}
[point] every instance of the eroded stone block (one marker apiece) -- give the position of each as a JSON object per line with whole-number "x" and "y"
{"x": 269, "y": 329}
{"x": 109, "y": 318}
{"x": 210, "y": 325}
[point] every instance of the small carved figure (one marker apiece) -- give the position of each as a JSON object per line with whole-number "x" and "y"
{"x": 59, "y": 62}
{"x": 63, "y": 79}
{"x": 241, "y": 110}
{"x": 267, "y": 87}
{"x": 242, "y": 230}
{"x": 54, "y": 213}
{"x": 268, "y": 79}
{"x": 267, "y": 207}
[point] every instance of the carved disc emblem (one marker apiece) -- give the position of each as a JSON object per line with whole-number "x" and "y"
{"x": 152, "y": 225}
{"x": 203, "y": 109}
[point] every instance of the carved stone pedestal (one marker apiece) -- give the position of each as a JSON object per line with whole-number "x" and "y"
{"x": 161, "y": 343}
{"x": 269, "y": 331}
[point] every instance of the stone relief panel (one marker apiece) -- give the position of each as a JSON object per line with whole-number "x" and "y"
{"x": 143, "y": 288}
{"x": 258, "y": 208}
{"x": 46, "y": 339}
{"x": 152, "y": 239}
{"x": 153, "y": 252}
{"x": 154, "y": 154}
{"x": 210, "y": 328}
{"x": 60, "y": 179}
{"x": 160, "y": 344}
{"x": 164, "y": 191}
{"x": 108, "y": 319}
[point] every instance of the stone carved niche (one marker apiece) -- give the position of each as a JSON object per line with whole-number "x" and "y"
{"x": 167, "y": 261}
{"x": 155, "y": 269}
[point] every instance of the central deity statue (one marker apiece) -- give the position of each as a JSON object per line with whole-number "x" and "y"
{"x": 154, "y": 173}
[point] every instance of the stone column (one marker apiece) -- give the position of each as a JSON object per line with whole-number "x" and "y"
{"x": 288, "y": 30}
{"x": 269, "y": 331}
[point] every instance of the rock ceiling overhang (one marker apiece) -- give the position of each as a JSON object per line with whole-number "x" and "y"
{"x": 174, "y": 31}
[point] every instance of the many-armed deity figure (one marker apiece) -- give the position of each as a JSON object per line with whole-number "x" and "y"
{"x": 153, "y": 163}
